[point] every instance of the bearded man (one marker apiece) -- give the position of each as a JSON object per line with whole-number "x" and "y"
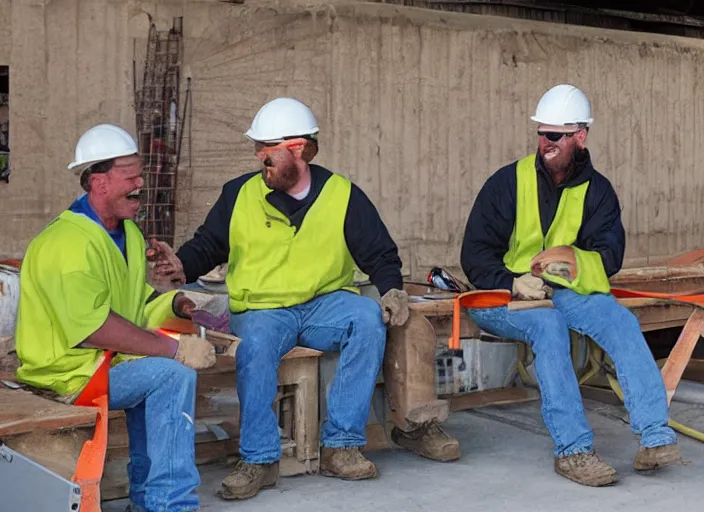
{"x": 549, "y": 225}
{"x": 292, "y": 235}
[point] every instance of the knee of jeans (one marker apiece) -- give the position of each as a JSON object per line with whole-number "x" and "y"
{"x": 367, "y": 324}
{"x": 620, "y": 315}
{"x": 549, "y": 329}
{"x": 184, "y": 375}
{"x": 252, "y": 351}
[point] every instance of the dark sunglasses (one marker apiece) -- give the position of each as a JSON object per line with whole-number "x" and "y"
{"x": 554, "y": 136}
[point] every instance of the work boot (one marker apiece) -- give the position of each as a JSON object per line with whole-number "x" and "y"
{"x": 657, "y": 457}
{"x": 586, "y": 469}
{"x": 346, "y": 463}
{"x": 247, "y": 479}
{"x": 429, "y": 441}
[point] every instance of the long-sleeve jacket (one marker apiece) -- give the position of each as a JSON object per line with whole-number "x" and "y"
{"x": 367, "y": 238}
{"x": 492, "y": 218}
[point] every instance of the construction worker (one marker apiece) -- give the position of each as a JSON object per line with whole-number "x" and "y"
{"x": 550, "y": 223}
{"x": 84, "y": 296}
{"x": 293, "y": 234}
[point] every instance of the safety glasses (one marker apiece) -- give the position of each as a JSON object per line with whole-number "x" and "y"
{"x": 267, "y": 147}
{"x": 555, "y": 136}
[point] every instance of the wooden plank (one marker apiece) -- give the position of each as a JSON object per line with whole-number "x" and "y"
{"x": 227, "y": 364}
{"x": 22, "y": 411}
{"x": 682, "y": 352}
{"x": 492, "y": 397}
{"x": 662, "y": 315}
{"x": 442, "y": 307}
{"x": 653, "y": 314}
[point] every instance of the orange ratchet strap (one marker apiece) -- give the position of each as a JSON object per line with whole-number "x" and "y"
{"x": 91, "y": 461}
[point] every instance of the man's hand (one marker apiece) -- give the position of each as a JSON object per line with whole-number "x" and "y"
{"x": 528, "y": 287}
{"x": 183, "y": 306}
{"x": 165, "y": 268}
{"x": 195, "y": 352}
{"x": 394, "y": 305}
{"x": 557, "y": 261}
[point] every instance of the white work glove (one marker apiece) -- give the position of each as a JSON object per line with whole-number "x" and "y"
{"x": 195, "y": 352}
{"x": 394, "y": 305}
{"x": 528, "y": 287}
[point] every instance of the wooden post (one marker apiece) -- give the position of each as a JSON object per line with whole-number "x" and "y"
{"x": 682, "y": 352}
{"x": 409, "y": 374}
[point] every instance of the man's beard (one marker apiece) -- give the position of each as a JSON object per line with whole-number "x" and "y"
{"x": 562, "y": 163}
{"x": 284, "y": 179}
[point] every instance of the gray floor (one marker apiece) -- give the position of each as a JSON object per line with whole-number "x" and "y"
{"x": 506, "y": 465}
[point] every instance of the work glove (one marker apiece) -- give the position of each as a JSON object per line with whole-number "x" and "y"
{"x": 528, "y": 287}
{"x": 557, "y": 261}
{"x": 213, "y": 313}
{"x": 394, "y": 305}
{"x": 194, "y": 352}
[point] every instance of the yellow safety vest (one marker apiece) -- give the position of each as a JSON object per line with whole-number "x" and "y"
{"x": 271, "y": 265}
{"x": 527, "y": 237}
{"x": 72, "y": 276}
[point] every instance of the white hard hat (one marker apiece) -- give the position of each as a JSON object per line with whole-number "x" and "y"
{"x": 563, "y": 105}
{"x": 280, "y": 119}
{"x": 102, "y": 142}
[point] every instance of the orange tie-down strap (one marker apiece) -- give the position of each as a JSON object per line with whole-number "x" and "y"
{"x": 480, "y": 299}
{"x": 91, "y": 461}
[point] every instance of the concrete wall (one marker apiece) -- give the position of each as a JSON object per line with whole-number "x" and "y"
{"x": 6, "y": 33}
{"x": 417, "y": 107}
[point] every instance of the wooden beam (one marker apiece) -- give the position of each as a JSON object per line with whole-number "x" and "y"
{"x": 492, "y": 397}
{"x": 22, "y": 411}
{"x": 682, "y": 352}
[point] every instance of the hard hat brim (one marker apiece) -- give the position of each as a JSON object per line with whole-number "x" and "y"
{"x": 538, "y": 120}
{"x": 81, "y": 166}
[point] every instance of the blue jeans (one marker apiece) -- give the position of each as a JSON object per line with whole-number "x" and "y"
{"x": 615, "y": 329}
{"x": 158, "y": 397}
{"x": 342, "y": 322}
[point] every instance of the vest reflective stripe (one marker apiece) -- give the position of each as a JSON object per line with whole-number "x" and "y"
{"x": 527, "y": 238}
{"x": 271, "y": 265}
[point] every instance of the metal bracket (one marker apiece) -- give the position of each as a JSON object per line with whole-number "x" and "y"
{"x": 20, "y": 480}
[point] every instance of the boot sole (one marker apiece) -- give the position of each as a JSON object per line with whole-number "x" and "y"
{"x": 330, "y": 474}
{"x": 675, "y": 457}
{"x": 230, "y": 496}
{"x": 658, "y": 465}
{"x": 597, "y": 482}
{"x": 399, "y": 442}
{"x": 429, "y": 457}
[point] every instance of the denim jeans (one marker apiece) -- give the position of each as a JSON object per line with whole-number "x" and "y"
{"x": 615, "y": 329}
{"x": 158, "y": 397}
{"x": 341, "y": 321}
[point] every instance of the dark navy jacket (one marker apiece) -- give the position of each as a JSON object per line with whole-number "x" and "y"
{"x": 493, "y": 215}
{"x": 368, "y": 240}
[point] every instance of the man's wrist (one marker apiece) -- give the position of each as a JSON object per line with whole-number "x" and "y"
{"x": 171, "y": 345}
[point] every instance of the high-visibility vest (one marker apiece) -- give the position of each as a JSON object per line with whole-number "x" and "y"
{"x": 527, "y": 238}
{"x": 272, "y": 264}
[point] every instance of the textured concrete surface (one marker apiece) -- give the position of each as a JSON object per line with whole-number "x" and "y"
{"x": 506, "y": 465}
{"x": 417, "y": 107}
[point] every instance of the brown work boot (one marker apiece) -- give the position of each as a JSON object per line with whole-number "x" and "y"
{"x": 648, "y": 459}
{"x": 247, "y": 479}
{"x": 586, "y": 469}
{"x": 346, "y": 463}
{"x": 429, "y": 441}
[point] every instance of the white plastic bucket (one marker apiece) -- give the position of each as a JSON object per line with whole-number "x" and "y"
{"x": 9, "y": 299}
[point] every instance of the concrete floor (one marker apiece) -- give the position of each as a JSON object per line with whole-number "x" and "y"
{"x": 506, "y": 464}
